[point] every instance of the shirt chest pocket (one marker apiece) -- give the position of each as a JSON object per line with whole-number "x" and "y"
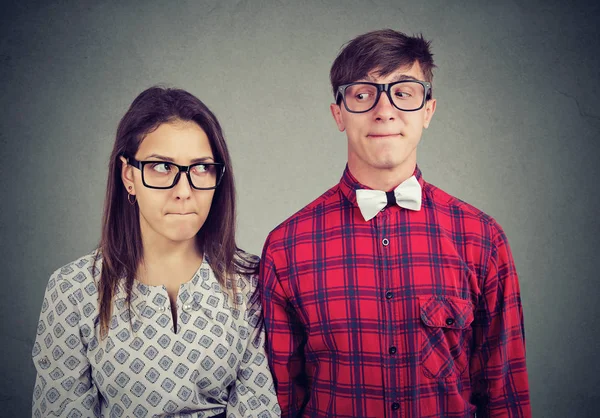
{"x": 446, "y": 335}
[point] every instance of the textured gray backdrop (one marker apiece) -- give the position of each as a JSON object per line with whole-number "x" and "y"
{"x": 515, "y": 133}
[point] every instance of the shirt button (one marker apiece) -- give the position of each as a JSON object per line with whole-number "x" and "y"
{"x": 385, "y": 242}
{"x": 389, "y": 294}
{"x": 187, "y": 307}
{"x": 395, "y": 406}
{"x": 449, "y": 321}
{"x": 393, "y": 350}
{"x": 161, "y": 308}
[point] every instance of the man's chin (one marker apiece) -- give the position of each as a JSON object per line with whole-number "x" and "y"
{"x": 391, "y": 160}
{"x": 387, "y": 164}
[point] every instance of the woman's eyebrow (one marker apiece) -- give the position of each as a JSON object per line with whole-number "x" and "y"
{"x": 161, "y": 157}
{"x": 171, "y": 160}
{"x": 202, "y": 160}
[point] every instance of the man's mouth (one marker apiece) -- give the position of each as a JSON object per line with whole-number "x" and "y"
{"x": 382, "y": 135}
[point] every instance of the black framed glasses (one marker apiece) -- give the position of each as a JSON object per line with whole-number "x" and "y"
{"x": 406, "y": 95}
{"x": 165, "y": 174}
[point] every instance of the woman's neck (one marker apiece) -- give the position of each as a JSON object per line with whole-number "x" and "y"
{"x": 168, "y": 263}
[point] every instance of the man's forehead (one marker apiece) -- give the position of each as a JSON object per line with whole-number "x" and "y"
{"x": 412, "y": 72}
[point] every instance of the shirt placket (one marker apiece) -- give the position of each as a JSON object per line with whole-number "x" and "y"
{"x": 390, "y": 298}
{"x": 186, "y": 304}
{"x": 155, "y": 308}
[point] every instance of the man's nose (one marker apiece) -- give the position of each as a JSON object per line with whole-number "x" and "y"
{"x": 384, "y": 109}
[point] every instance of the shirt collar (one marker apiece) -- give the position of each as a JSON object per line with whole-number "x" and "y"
{"x": 200, "y": 277}
{"x": 348, "y": 184}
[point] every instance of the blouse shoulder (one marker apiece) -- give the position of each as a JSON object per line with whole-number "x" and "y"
{"x": 80, "y": 274}
{"x": 246, "y": 273}
{"x": 245, "y": 262}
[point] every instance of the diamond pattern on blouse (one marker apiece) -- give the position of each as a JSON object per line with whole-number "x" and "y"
{"x": 144, "y": 368}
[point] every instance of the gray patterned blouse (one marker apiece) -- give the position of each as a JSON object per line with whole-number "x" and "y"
{"x": 213, "y": 363}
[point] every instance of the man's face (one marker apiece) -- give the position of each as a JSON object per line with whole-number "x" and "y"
{"x": 384, "y": 139}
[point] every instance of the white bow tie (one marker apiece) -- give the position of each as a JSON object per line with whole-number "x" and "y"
{"x": 406, "y": 195}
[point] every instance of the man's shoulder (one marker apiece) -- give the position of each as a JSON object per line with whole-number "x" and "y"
{"x": 448, "y": 205}
{"x": 307, "y": 213}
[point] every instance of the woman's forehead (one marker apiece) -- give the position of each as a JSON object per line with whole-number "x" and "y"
{"x": 177, "y": 140}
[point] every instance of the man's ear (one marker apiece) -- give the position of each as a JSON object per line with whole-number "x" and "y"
{"x": 127, "y": 176}
{"x": 336, "y": 112}
{"x": 429, "y": 111}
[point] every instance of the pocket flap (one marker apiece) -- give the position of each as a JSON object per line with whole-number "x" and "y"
{"x": 446, "y": 311}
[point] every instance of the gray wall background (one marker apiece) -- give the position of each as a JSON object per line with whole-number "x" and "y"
{"x": 515, "y": 133}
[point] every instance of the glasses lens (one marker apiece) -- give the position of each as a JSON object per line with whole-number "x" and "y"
{"x": 408, "y": 95}
{"x": 162, "y": 174}
{"x": 159, "y": 174}
{"x": 205, "y": 176}
{"x": 360, "y": 97}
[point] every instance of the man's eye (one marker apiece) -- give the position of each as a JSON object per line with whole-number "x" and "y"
{"x": 403, "y": 94}
{"x": 363, "y": 96}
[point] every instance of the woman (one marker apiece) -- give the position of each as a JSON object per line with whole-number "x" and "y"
{"x": 163, "y": 319}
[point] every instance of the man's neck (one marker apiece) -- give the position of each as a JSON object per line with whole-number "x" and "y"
{"x": 382, "y": 179}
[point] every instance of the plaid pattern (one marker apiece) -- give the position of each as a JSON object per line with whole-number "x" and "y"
{"x": 413, "y": 314}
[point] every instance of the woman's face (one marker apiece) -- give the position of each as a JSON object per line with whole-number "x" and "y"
{"x": 175, "y": 214}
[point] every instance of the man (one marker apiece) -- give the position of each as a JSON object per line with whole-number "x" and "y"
{"x": 387, "y": 297}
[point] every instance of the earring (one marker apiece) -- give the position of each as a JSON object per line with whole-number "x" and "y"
{"x": 129, "y": 196}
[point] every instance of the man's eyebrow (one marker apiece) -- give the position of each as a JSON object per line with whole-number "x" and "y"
{"x": 402, "y": 77}
{"x": 399, "y": 77}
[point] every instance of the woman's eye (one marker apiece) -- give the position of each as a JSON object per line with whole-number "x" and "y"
{"x": 200, "y": 168}
{"x": 161, "y": 167}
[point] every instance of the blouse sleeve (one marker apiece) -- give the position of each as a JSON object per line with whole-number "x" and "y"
{"x": 253, "y": 392}
{"x": 63, "y": 384}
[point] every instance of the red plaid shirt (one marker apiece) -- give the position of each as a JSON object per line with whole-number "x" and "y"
{"x": 413, "y": 314}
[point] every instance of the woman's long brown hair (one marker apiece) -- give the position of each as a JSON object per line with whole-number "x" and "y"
{"x": 120, "y": 246}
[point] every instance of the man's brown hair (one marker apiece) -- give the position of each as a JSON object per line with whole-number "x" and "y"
{"x": 383, "y": 50}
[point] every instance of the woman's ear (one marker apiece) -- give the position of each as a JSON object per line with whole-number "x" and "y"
{"x": 127, "y": 176}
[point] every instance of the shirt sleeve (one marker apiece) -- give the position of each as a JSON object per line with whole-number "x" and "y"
{"x": 498, "y": 370}
{"x": 285, "y": 340}
{"x": 253, "y": 392}
{"x": 63, "y": 384}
